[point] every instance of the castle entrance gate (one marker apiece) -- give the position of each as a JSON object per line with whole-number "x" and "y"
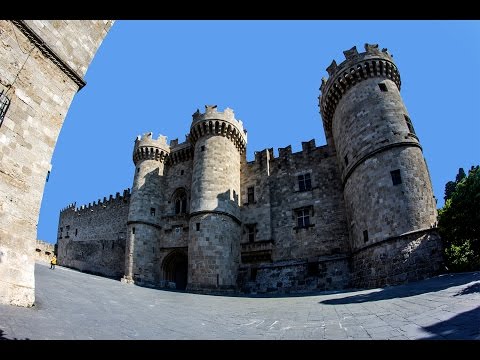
{"x": 175, "y": 266}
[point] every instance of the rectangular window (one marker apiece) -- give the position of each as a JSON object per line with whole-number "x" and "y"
{"x": 251, "y": 232}
{"x": 365, "y": 235}
{"x": 61, "y": 232}
{"x": 346, "y": 160}
{"x": 76, "y": 232}
{"x": 303, "y": 218}
{"x": 202, "y": 148}
{"x": 152, "y": 211}
{"x": 383, "y": 87}
{"x": 304, "y": 182}
{"x": 250, "y": 195}
{"x": 133, "y": 230}
{"x": 67, "y": 229}
{"x": 182, "y": 172}
{"x": 409, "y": 124}
{"x": 4, "y": 104}
{"x": 396, "y": 177}
{"x": 198, "y": 226}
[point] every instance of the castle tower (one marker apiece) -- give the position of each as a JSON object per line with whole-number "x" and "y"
{"x": 215, "y": 227}
{"x": 387, "y": 189}
{"x": 144, "y": 215}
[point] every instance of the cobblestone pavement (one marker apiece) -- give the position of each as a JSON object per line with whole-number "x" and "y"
{"x": 74, "y": 305}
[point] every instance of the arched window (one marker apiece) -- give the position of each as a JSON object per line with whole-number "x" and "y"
{"x": 180, "y": 200}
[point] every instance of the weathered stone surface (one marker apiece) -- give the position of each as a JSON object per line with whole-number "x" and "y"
{"x": 44, "y": 251}
{"x": 92, "y": 238}
{"x": 40, "y": 93}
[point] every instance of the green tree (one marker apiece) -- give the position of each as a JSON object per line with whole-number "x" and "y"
{"x": 459, "y": 221}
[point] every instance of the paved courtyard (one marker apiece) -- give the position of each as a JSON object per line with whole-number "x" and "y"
{"x": 73, "y": 305}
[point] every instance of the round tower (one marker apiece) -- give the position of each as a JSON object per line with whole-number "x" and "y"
{"x": 215, "y": 231}
{"x": 387, "y": 189}
{"x": 144, "y": 215}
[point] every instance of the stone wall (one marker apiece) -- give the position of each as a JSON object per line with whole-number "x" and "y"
{"x": 44, "y": 251}
{"x": 278, "y": 196}
{"x": 92, "y": 238}
{"x": 410, "y": 257}
{"x": 285, "y": 277}
{"x": 281, "y": 250}
{"x": 178, "y": 179}
{"x": 40, "y": 93}
{"x": 384, "y": 209}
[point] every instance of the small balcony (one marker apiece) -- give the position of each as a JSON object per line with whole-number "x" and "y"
{"x": 257, "y": 251}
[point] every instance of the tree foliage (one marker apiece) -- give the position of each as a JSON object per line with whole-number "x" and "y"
{"x": 459, "y": 221}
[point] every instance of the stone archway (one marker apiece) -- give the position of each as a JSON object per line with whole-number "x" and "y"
{"x": 175, "y": 268}
{"x": 43, "y": 64}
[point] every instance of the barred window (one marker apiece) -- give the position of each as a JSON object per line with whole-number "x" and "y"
{"x": 251, "y": 232}
{"x": 4, "y": 104}
{"x": 303, "y": 218}
{"x": 304, "y": 182}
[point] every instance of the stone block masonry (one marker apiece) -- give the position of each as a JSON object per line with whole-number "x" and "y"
{"x": 44, "y": 251}
{"x": 357, "y": 212}
{"x": 92, "y": 238}
{"x": 42, "y": 64}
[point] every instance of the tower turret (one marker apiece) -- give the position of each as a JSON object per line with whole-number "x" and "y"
{"x": 387, "y": 189}
{"x": 144, "y": 216}
{"x": 214, "y": 239}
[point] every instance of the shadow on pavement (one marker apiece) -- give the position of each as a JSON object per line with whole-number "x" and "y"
{"x": 2, "y": 336}
{"x": 469, "y": 289}
{"x": 426, "y": 286}
{"x": 465, "y": 326}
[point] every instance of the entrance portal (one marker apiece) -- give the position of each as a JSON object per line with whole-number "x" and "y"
{"x": 175, "y": 268}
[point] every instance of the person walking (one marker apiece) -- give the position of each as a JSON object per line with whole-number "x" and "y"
{"x": 53, "y": 262}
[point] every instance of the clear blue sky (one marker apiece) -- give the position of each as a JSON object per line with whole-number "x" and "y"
{"x": 153, "y": 75}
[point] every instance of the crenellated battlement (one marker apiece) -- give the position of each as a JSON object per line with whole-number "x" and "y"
{"x": 99, "y": 204}
{"x": 218, "y": 123}
{"x": 69, "y": 207}
{"x": 355, "y": 68}
{"x": 286, "y": 152}
{"x": 147, "y": 148}
{"x": 180, "y": 152}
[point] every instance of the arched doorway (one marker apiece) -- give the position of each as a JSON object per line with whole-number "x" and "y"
{"x": 175, "y": 267}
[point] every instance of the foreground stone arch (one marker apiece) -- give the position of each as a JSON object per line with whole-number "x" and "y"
{"x": 42, "y": 65}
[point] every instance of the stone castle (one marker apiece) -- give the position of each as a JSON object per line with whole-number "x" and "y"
{"x": 356, "y": 212}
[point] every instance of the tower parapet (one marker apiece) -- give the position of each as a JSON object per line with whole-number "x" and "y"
{"x": 147, "y": 148}
{"x": 355, "y": 68}
{"x": 218, "y": 123}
